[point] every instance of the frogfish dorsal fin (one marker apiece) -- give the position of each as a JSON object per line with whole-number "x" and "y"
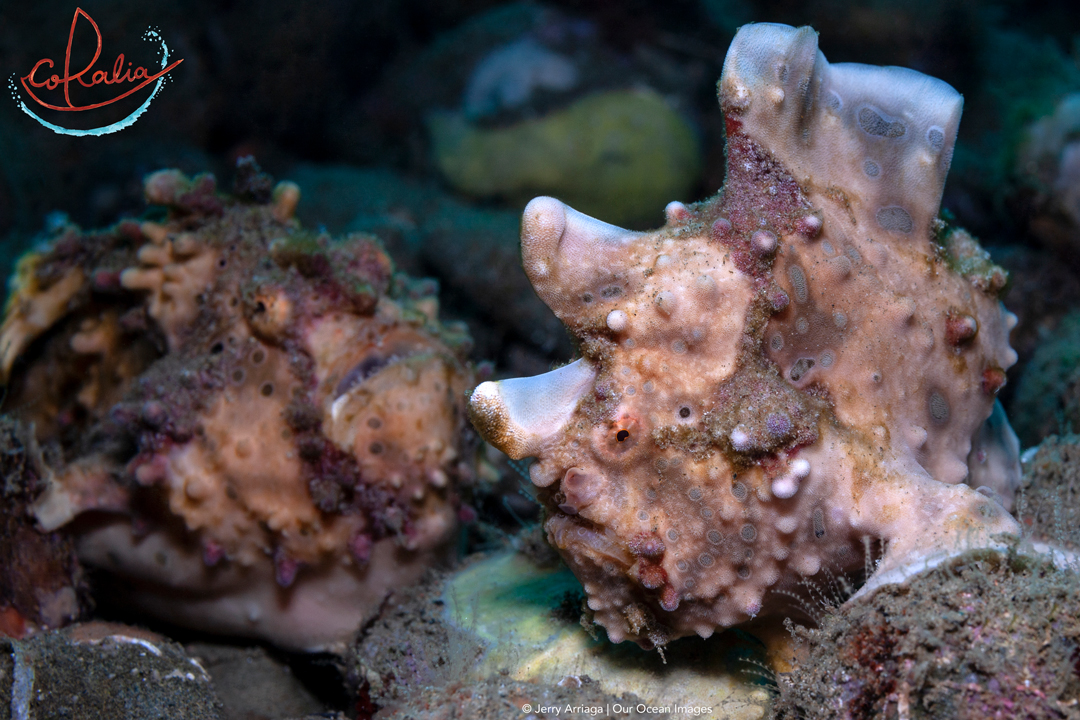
{"x": 878, "y": 139}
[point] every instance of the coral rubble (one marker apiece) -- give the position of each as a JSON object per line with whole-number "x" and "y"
{"x": 259, "y": 429}
{"x": 987, "y": 635}
{"x": 778, "y": 377}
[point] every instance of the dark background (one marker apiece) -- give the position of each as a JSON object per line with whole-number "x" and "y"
{"x": 350, "y": 83}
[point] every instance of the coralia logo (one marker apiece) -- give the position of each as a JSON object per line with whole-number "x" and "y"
{"x": 39, "y": 78}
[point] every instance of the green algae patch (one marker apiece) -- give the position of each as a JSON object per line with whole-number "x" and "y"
{"x": 622, "y": 155}
{"x": 509, "y": 595}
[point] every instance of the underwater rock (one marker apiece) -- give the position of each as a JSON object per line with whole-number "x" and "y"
{"x": 780, "y": 376}
{"x": 385, "y": 126}
{"x": 1048, "y": 162}
{"x": 255, "y": 429}
{"x": 253, "y": 685}
{"x": 103, "y": 670}
{"x": 506, "y": 618}
{"x": 1042, "y": 290}
{"x": 1047, "y": 397}
{"x": 986, "y": 635}
{"x": 622, "y": 153}
{"x": 1048, "y": 501}
{"x": 509, "y": 75}
{"x": 42, "y": 585}
{"x": 511, "y": 62}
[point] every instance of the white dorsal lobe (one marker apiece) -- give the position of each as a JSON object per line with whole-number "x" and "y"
{"x": 882, "y": 135}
